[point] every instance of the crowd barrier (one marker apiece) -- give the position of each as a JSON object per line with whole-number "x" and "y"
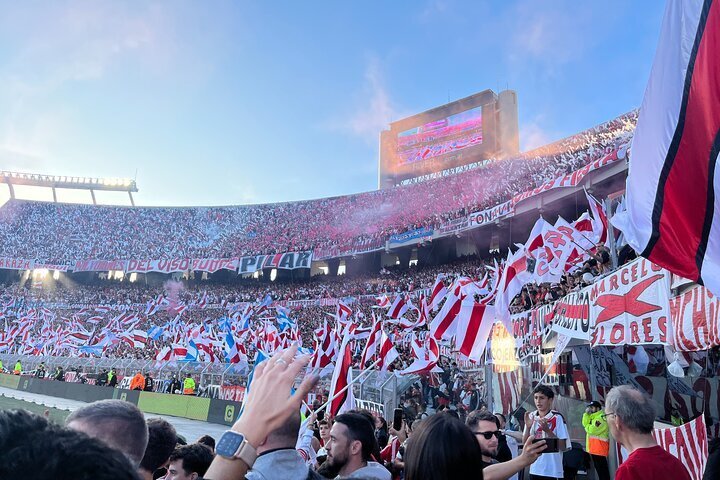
{"x": 213, "y": 410}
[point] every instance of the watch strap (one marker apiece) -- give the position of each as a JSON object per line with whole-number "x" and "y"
{"x": 246, "y": 453}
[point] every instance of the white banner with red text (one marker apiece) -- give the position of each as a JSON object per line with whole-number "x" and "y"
{"x": 695, "y": 320}
{"x": 631, "y": 306}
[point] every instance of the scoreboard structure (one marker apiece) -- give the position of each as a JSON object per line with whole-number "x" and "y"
{"x": 463, "y": 132}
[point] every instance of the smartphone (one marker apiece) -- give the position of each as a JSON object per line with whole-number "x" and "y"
{"x": 551, "y": 444}
{"x": 397, "y": 418}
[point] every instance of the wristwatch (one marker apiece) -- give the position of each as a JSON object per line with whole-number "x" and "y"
{"x": 235, "y": 445}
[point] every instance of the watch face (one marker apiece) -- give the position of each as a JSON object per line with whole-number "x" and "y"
{"x": 229, "y": 443}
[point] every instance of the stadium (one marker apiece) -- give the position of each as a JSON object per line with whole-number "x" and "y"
{"x": 473, "y": 279}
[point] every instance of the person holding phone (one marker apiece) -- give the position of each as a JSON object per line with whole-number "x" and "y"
{"x": 548, "y": 425}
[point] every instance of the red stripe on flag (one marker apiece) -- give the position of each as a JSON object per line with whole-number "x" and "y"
{"x": 680, "y": 234}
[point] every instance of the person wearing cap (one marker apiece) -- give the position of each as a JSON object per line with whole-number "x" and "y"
{"x": 598, "y": 445}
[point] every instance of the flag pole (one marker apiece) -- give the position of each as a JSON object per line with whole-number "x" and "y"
{"x": 354, "y": 380}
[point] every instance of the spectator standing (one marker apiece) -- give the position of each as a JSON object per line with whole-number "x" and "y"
{"x": 33, "y": 447}
{"x": 352, "y": 441}
{"x": 277, "y": 458}
{"x": 149, "y": 383}
{"x": 630, "y": 415}
{"x": 546, "y": 423}
{"x": 162, "y": 439}
{"x": 175, "y": 385}
{"x": 188, "y": 385}
{"x": 137, "y": 382}
{"x": 443, "y": 448}
{"x": 189, "y": 462}
{"x": 598, "y": 443}
{"x": 118, "y": 423}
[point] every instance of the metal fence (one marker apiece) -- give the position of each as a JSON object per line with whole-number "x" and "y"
{"x": 380, "y": 387}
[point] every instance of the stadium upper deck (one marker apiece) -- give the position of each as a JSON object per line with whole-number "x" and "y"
{"x": 64, "y": 233}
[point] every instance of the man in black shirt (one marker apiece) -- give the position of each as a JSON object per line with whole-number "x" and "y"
{"x": 149, "y": 383}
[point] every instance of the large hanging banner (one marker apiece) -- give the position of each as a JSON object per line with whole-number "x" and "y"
{"x": 16, "y": 263}
{"x": 688, "y": 443}
{"x": 212, "y": 265}
{"x": 571, "y": 315}
{"x": 695, "y": 320}
{"x": 162, "y": 266}
{"x": 284, "y": 261}
{"x": 100, "y": 265}
{"x": 631, "y": 306}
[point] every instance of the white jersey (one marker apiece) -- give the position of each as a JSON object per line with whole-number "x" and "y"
{"x": 549, "y": 464}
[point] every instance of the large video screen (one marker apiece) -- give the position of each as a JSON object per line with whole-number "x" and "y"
{"x": 441, "y": 137}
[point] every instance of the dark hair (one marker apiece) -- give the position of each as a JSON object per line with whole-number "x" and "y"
{"x": 30, "y": 446}
{"x": 118, "y": 423}
{"x": 442, "y": 448}
{"x": 162, "y": 440}
{"x": 207, "y": 440}
{"x": 477, "y": 416}
{"x": 195, "y": 458}
{"x": 545, "y": 390}
{"x": 360, "y": 428}
{"x": 504, "y": 419}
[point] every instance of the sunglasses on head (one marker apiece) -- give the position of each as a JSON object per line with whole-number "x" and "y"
{"x": 489, "y": 435}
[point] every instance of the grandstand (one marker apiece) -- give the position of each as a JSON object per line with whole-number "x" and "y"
{"x": 168, "y": 290}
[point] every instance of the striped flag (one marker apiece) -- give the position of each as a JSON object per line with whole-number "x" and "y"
{"x": 370, "y": 349}
{"x": 398, "y": 307}
{"x": 475, "y": 321}
{"x": 443, "y": 325}
{"x": 341, "y": 378}
{"x": 438, "y": 292}
{"x": 673, "y": 207}
{"x": 388, "y": 354}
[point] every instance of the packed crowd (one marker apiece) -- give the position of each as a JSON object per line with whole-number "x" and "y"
{"x": 66, "y": 307}
{"x": 272, "y": 440}
{"x": 60, "y": 233}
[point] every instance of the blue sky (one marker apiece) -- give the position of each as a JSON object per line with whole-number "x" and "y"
{"x": 216, "y": 103}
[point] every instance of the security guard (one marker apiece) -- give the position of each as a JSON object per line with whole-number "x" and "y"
{"x": 18, "y": 368}
{"x": 598, "y": 445}
{"x": 188, "y": 385}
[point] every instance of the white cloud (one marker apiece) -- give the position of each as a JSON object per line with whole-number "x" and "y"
{"x": 533, "y": 135}
{"x": 551, "y": 36}
{"x": 377, "y": 111}
{"x": 373, "y": 108}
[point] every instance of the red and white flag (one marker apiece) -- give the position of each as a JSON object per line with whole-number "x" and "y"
{"x": 387, "y": 354}
{"x": 599, "y": 220}
{"x": 426, "y": 358}
{"x": 368, "y": 354}
{"x": 399, "y": 307}
{"x": 673, "y": 202}
{"x": 475, "y": 321}
{"x": 514, "y": 276}
{"x": 443, "y": 325}
{"x": 342, "y": 379}
{"x": 343, "y": 311}
{"x": 438, "y": 292}
{"x": 382, "y": 301}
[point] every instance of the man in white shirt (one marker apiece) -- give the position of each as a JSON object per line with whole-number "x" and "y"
{"x": 546, "y": 423}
